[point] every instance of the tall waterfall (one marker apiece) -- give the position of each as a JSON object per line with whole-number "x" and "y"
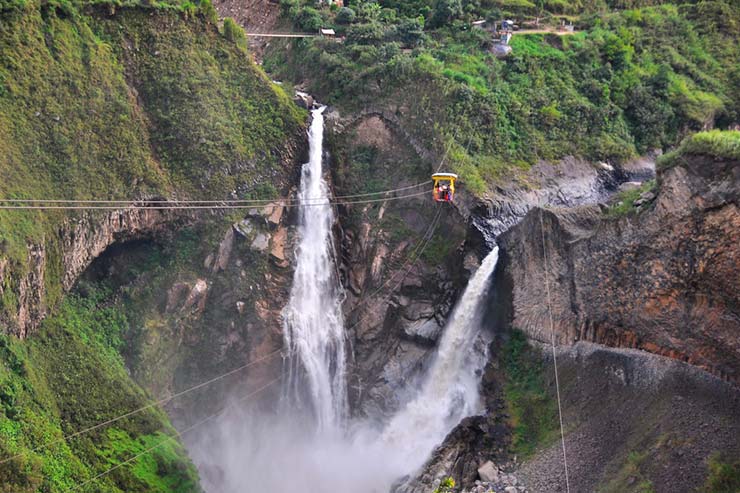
{"x": 313, "y": 322}
{"x": 249, "y": 450}
{"x": 450, "y": 389}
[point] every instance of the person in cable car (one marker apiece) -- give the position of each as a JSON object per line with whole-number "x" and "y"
{"x": 444, "y": 187}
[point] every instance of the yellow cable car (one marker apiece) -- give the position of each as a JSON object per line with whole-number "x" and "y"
{"x": 444, "y": 186}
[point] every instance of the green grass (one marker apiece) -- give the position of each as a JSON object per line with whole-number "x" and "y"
{"x": 532, "y": 411}
{"x": 630, "y": 477}
{"x": 630, "y": 81}
{"x": 723, "y": 477}
{"x": 721, "y": 144}
{"x": 71, "y": 376}
{"x": 624, "y": 201}
{"x": 150, "y": 101}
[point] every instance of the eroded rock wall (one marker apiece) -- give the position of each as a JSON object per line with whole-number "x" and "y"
{"x": 665, "y": 280}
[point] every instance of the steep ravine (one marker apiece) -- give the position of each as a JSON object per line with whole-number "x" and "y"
{"x": 662, "y": 279}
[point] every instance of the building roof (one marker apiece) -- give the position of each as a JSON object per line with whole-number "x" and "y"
{"x": 327, "y": 32}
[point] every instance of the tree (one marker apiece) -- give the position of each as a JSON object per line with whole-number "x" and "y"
{"x": 446, "y": 11}
{"x": 309, "y": 19}
{"x": 346, "y": 16}
{"x": 410, "y": 31}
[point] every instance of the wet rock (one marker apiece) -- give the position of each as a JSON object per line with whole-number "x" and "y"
{"x": 423, "y": 331}
{"x": 471, "y": 262}
{"x": 303, "y": 100}
{"x": 418, "y": 310}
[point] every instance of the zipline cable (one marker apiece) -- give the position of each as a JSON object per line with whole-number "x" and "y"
{"x": 175, "y": 436}
{"x": 193, "y": 201}
{"x": 134, "y": 206}
{"x": 142, "y": 409}
{"x": 554, "y": 355}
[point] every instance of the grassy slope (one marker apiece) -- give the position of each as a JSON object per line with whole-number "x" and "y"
{"x": 718, "y": 143}
{"x": 633, "y": 80}
{"x": 139, "y": 103}
{"x": 70, "y": 377}
{"x": 146, "y": 101}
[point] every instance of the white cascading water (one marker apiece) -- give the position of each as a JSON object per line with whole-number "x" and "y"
{"x": 313, "y": 322}
{"x": 247, "y": 451}
{"x": 450, "y": 389}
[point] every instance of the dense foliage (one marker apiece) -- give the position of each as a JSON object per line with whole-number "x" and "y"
{"x": 627, "y": 82}
{"x": 146, "y": 102}
{"x": 70, "y": 377}
{"x": 111, "y": 100}
{"x": 531, "y": 408}
{"x": 715, "y": 143}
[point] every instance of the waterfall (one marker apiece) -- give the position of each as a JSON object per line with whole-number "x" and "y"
{"x": 450, "y": 389}
{"x": 250, "y": 450}
{"x": 313, "y": 322}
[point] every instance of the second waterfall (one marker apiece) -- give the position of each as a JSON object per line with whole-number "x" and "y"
{"x": 313, "y": 322}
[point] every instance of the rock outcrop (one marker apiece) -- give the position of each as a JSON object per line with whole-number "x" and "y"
{"x": 665, "y": 280}
{"x": 79, "y": 242}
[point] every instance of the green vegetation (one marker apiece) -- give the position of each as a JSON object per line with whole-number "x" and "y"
{"x": 630, "y": 81}
{"x": 68, "y": 377}
{"x": 723, "y": 144}
{"x": 446, "y": 486}
{"x": 724, "y": 477}
{"x": 149, "y": 101}
{"x": 532, "y": 410}
{"x": 630, "y": 477}
{"x": 624, "y": 201}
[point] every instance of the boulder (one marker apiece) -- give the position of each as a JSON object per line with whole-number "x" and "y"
{"x": 418, "y": 310}
{"x": 261, "y": 242}
{"x": 501, "y": 51}
{"x": 423, "y": 331}
{"x": 488, "y": 472}
{"x": 224, "y": 251}
{"x": 303, "y": 100}
{"x": 175, "y": 294}
{"x": 277, "y": 248}
{"x": 244, "y": 228}
{"x": 274, "y": 213}
{"x": 629, "y": 185}
{"x": 196, "y": 300}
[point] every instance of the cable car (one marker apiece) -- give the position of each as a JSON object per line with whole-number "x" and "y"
{"x": 444, "y": 186}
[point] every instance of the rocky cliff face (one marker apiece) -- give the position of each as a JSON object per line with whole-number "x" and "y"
{"x": 659, "y": 284}
{"x": 79, "y": 242}
{"x": 664, "y": 279}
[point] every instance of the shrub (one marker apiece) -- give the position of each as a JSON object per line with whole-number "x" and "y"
{"x": 724, "y": 477}
{"x": 345, "y": 16}
{"x": 234, "y": 33}
{"x": 723, "y": 144}
{"x": 209, "y": 11}
{"x": 309, "y": 19}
